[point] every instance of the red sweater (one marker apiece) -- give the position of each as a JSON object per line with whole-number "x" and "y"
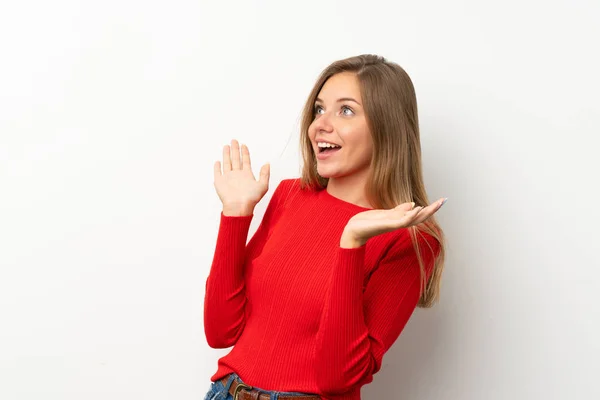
{"x": 302, "y": 313}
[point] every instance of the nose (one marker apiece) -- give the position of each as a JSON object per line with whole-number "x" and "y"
{"x": 323, "y": 123}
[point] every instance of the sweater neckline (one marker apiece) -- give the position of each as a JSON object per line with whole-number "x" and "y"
{"x": 339, "y": 202}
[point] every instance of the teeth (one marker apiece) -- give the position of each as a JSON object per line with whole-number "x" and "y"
{"x": 324, "y": 144}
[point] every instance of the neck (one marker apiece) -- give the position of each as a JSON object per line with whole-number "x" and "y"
{"x": 349, "y": 188}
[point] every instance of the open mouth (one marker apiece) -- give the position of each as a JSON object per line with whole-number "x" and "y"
{"x": 328, "y": 149}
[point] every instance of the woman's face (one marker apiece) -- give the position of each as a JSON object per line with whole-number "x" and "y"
{"x": 339, "y": 119}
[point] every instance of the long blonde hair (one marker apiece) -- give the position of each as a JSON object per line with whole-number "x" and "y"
{"x": 396, "y": 176}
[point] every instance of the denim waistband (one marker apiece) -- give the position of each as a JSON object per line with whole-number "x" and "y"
{"x": 273, "y": 394}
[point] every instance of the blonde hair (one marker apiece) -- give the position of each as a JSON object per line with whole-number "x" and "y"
{"x": 396, "y": 176}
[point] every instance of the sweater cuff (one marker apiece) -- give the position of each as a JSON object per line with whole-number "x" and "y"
{"x": 232, "y": 230}
{"x": 352, "y": 263}
{"x": 236, "y": 223}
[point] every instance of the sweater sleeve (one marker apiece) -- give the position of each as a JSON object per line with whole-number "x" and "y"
{"x": 357, "y": 327}
{"x": 225, "y": 293}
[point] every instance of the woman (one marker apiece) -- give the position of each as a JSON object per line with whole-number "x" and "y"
{"x": 342, "y": 256}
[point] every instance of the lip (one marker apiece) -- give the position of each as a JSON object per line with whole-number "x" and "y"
{"x": 327, "y": 154}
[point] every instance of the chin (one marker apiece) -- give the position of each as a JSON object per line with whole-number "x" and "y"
{"x": 324, "y": 173}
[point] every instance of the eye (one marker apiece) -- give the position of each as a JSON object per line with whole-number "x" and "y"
{"x": 318, "y": 108}
{"x": 344, "y": 108}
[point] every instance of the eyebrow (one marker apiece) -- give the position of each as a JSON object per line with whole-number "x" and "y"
{"x": 340, "y": 99}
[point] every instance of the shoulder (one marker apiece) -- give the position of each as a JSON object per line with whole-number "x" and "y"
{"x": 289, "y": 182}
{"x": 400, "y": 245}
{"x": 286, "y": 189}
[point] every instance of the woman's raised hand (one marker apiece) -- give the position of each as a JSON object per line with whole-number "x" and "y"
{"x": 236, "y": 185}
{"x": 367, "y": 224}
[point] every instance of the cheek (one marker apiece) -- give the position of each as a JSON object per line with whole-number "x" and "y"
{"x": 311, "y": 131}
{"x": 357, "y": 137}
{"x": 361, "y": 146}
{"x": 364, "y": 152}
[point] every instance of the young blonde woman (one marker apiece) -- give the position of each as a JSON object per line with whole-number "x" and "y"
{"x": 343, "y": 254}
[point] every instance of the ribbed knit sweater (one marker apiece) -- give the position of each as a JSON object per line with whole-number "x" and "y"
{"x": 302, "y": 313}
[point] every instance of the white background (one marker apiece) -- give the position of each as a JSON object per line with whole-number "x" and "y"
{"x": 112, "y": 114}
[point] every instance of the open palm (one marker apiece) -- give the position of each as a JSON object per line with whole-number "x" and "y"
{"x": 236, "y": 184}
{"x": 367, "y": 224}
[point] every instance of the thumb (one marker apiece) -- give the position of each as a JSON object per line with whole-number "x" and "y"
{"x": 405, "y": 206}
{"x": 265, "y": 173}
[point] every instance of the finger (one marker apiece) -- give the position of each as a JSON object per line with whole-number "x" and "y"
{"x": 217, "y": 170}
{"x": 414, "y": 212}
{"x": 433, "y": 207}
{"x": 405, "y": 206}
{"x": 401, "y": 210}
{"x": 235, "y": 154}
{"x": 411, "y": 215}
{"x": 428, "y": 211}
{"x": 246, "y": 158}
{"x": 404, "y": 219}
{"x": 265, "y": 173}
{"x": 419, "y": 214}
{"x": 441, "y": 202}
{"x": 226, "y": 159}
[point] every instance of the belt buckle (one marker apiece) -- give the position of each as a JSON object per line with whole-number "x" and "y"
{"x": 239, "y": 387}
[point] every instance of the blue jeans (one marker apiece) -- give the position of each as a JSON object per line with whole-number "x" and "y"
{"x": 218, "y": 391}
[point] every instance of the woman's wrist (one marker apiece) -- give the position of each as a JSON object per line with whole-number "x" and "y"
{"x": 237, "y": 210}
{"x": 350, "y": 241}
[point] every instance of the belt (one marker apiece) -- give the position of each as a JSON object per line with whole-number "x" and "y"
{"x": 241, "y": 391}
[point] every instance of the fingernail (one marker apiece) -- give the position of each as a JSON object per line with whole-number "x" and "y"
{"x": 413, "y": 205}
{"x": 443, "y": 201}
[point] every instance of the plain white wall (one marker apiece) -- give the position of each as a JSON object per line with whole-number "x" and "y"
{"x": 112, "y": 114}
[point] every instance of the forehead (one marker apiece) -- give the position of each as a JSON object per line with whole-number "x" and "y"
{"x": 344, "y": 84}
